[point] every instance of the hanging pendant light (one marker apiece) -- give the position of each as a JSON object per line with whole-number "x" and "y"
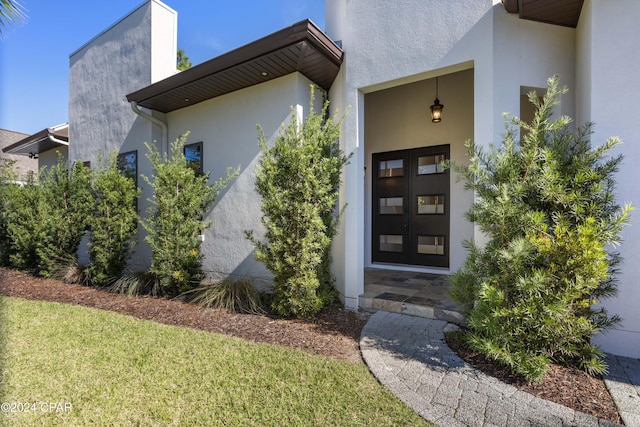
{"x": 436, "y": 108}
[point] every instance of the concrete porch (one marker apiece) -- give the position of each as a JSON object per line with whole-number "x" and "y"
{"x": 417, "y": 294}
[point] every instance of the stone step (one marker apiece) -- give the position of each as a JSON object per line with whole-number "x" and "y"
{"x": 413, "y": 306}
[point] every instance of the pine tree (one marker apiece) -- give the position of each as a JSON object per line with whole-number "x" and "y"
{"x": 182, "y": 61}
{"x": 546, "y": 203}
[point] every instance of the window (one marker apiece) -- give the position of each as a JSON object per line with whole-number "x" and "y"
{"x": 431, "y": 164}
{"x": 429, "y": 205}
{"x": 431, "y": 245}
{"x": 193, "y": 154}
{"x": 128, "y": 165}
{"x": 390, "y": 243}
{"x": 391, "y": 168}
{"x": 391, "y": 206}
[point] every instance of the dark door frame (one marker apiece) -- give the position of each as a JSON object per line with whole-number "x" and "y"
{"x": 404, "y": 187}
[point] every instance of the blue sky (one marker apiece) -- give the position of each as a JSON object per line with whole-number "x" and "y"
{"x": 34, "y": 54}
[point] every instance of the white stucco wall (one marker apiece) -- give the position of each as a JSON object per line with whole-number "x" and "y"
{"x": 609, "y": 90}
{"x": 227, "y": 128}
{"x": 527, "y": 53}
{"x": 164, "y": 41}
{"x": 134, "y": 52}
{"x": 390, "y": 44}
{"x": 398, "y": 118}
{"x": 131, "y": 54}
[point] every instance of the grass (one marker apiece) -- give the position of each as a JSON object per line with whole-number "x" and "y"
{"x": 237, "y": 296}
{"x": 117, "y": 370}
{"x": 136, "y": 283}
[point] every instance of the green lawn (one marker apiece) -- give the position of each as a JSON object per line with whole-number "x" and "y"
{"x": 111, "y": 369}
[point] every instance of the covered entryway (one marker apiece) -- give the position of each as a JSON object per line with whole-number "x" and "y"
{"x": 410, "y": 207}
{"x": 414, "y": 209}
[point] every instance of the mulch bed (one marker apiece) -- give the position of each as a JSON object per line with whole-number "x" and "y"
{"x": 334, "y": 332}
{"x": 569, "y": 387}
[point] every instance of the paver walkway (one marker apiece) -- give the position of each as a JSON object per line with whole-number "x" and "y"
{"x": 623, "y": 382}
{"x": 410, "y": 357}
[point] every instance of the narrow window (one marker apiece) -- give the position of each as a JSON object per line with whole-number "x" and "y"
{"x": 128, "y": 165}
{"x": 193, "y": 154}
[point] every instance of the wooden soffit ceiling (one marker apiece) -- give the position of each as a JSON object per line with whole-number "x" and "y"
{"x": 558, "y": 12}
{"x": 303, "y": 47}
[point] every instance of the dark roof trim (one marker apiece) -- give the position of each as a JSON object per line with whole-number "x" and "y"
{"x": 303, "y": 47}
{"x": 565, "y": 13}
{"x": 46, "y": 139}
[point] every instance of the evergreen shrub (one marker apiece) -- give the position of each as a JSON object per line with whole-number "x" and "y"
{"x": 66, "y": 207}
{"x": 114, "y": 221}
{"x": 47, "y": 217}
{"x": 176, "y": 218}
{"x": 299, "y": 179}
{"x": 546, "y": 203}
{"x": 23, "y": 208}
{"x": 8, "y": 177}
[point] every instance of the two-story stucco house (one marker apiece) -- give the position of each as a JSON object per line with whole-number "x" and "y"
{"x": 387, "y": 61}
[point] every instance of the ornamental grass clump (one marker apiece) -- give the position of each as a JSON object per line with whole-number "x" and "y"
{"x": 137, "y": 283}
{"x": 546, "y": 203}
{"x": 236, "y": 296}
{"x": 299, "y": 179}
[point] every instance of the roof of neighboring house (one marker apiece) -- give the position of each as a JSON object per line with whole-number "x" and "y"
{"x": 46, "y": 139}
{"x": 8, "y": 137}
{"x": 303, "y": 47}
{"x": 565, "y": 12}
{"x": 22, "y": 165}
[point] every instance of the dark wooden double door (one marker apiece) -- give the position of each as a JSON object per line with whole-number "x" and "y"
{"x": 411, "y": 199}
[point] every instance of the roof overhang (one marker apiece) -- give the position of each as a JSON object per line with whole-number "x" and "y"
{"x": 46, "y": 139}
{"x": 565, "y": 13}
{"x": 303, "y": 47}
